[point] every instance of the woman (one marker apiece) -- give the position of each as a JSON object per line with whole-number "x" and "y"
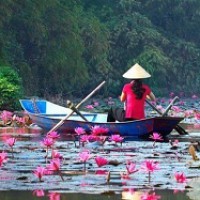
{"x": 133, "y": 95}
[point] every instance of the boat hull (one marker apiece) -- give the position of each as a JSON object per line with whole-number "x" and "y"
{"x": 165, "y": 125}
{"x": 136, "y": 128}
{"x": 42, "y": 113}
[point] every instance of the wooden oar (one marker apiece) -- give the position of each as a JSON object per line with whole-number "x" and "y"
{"x": 169, "y": 106}
{"x": 166, "y": 110}
{"x": 71, "y": 106}
{"x": 178, "y": 128}
{"x": 77, "y": 106}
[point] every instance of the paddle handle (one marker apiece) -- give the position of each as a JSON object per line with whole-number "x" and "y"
{"x": 78, "y": 105}
{"x": 170, "y": 105}
{"x": 89, "y": 95}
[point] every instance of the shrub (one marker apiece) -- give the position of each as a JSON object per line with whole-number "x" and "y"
{"x": 10, "y": 88}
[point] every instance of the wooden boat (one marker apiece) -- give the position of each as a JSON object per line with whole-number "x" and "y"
{"x": 42, "y": 113}
{"x": 44, "y": 107}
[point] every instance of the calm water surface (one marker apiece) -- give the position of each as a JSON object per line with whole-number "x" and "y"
{"x": 18, "y": 181}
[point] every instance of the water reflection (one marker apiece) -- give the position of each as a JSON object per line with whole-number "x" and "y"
{"x": 22, "y": 133}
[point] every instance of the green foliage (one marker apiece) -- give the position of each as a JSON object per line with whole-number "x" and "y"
{"x": 96, "y": 47}
{"x": 68, "y": 47}
{"x": 10, "y": 88}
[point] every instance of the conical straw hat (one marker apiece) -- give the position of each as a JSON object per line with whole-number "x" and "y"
{"x": 136, "y": 72}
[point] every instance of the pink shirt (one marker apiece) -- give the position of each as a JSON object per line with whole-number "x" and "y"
{"x": 135, "y": 107}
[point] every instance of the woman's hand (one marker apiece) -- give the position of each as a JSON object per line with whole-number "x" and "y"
{"x": 151, "y": 97}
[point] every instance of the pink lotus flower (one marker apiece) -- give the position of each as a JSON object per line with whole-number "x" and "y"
{"x": 100, "y": 161}
{"x": 96, "y": 103}
{"x": 11, "y": 142}
{"x": 156, "y": 137}
{"x": 159, "y": 107}
{"x": 54, "y": 196}
{"x": 102, "y": 139}
{"x": 116, "y": 138}
{"x": 20, "y": 120}
{"x": 98, "y": 130}
{"x": 162, "y": 101}
{"x": 79, "y": 131}
{"x": 84, "y": 139}
{"x": 189, "y": 113}
{"x": 89, "y": 138}
{"x": 131, "y": 168}
{"x": 55, "y": 166}
{"x": 147, "y": 196}
{"x": 53, "y": 135}
{"x": 180, "y": 177}
{"x": 40, "y": 172}
{"x": 39, "y": 193}
{"x": 92, "y": 138}
{"x": 194, "y": 96}
{"x": 84, "y": 157}
{"x": 89, "y": 107}
{"x": 48, "y": 143}
{"x": 6, "y": 116}
{"x": 149, "y": 166}
{"x": 197, "y": 115}
{"x": 181, "y": 103}
{"x": 3, "y": 158}
{"x": 56, "y": 154}
{"x": 176, "y": 109}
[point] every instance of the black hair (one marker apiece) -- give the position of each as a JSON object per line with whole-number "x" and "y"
{"x": 138, "y": 89}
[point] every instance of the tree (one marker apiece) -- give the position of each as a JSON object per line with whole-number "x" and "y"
{"x": 66, "y": 47}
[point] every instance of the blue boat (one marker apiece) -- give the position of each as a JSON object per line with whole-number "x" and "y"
{"x": 47, "y": 115}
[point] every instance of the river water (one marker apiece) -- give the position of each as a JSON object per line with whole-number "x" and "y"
{"x": 89, "y": 181}
{"x": 18, "y": 181}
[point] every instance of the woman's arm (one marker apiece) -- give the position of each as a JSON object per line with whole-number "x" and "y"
{"x": 123, "y": 97}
